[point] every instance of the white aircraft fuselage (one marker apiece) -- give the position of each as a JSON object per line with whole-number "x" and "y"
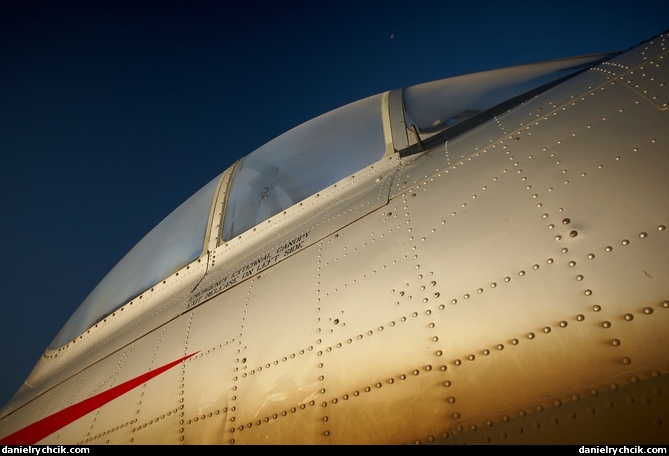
{"x": 498, "y": 279}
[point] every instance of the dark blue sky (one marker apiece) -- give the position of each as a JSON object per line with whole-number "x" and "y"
{"x": 112, "y": 114}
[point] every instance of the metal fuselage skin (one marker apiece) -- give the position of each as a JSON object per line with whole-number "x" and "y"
{"x": 510, "y": 285}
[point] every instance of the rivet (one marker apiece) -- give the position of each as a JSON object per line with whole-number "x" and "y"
{"x": 514, "y": 341}
{"x": 629, "y": 317}
{"x": 661, "y": 228}
{"x": 643, "y": 235}
{"x": 549, "y": 261}
{"x": 665, "y": 304}
{"x": 563, "y": 324}
{"x": 486, "y": 352}
{"x": 566, "y": 221}
{"x": 606, "y": 324}
{"x": 591, "y": 256}
{"x": 458, "y": 362}
{"x": 572, "y": 263}
{"x": 588, "y": 292}
{"x": 608, "y": 248}
{"x": 530, "y": 336}
{"x": 500, "y": 347}
{"x": 580, "y": 317}
{"x": 627, "y": 360}
{"x": 625, "y": 242}
{"x": 579, "y": 277}
{"x": 648, "y": 310}
{"x": 596, "y": 308}
{"x": 573, "y": 233}
{"x": 547, "y": 329}
{"x": 615, "y": 342}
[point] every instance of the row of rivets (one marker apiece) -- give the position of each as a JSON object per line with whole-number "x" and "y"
{"x": 547, "y": 329}
{"x": 238, "y": 351}
{"x": 626, "y": 242}
{"x": 506, "y": 279}
{"x": 109, "y": 431}
{"x": 572, "y": 415}
{"x": 335, "y": 400}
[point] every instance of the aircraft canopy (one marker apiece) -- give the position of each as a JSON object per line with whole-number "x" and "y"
{"x": 300, "y": 163}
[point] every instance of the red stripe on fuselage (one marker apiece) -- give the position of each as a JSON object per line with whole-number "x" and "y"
{"x": 35, "y": 432}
